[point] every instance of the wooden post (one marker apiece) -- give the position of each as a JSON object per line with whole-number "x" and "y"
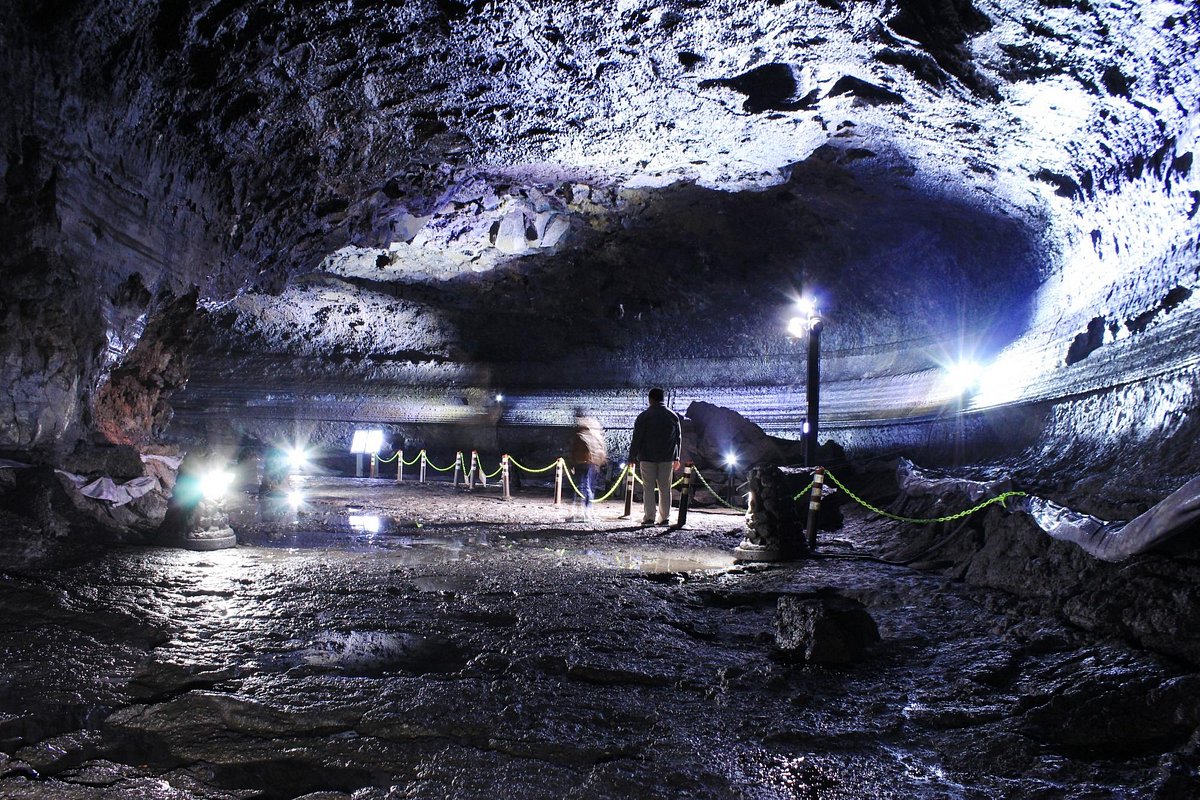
{"x": 504, "y": 476}
{"x": 558, "y": 481}
{"x": 424, "y": 459}
{"x": 628, "y": 493}
{"x": 814, "y": 506}
{"x": 685, "y": 494}
{"x": 400, "y": 466}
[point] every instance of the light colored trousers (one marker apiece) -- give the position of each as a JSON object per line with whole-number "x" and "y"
{"x": 656, "y": 473}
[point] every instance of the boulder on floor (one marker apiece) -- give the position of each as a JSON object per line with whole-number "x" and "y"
{"x": 823, "y": 628}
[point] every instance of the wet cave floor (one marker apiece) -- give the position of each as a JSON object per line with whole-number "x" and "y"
{"x": 421, "y": 642}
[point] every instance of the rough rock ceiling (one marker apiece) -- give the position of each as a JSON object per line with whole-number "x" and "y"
{"x": 589, "y": 196}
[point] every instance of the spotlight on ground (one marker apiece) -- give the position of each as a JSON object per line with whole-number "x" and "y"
{"x": 963, "y": 377}
{"x": 215, "y": 483}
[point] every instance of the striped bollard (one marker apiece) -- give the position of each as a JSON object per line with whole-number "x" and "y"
{"x": 421, "y": 476}
{"x": 504, "y": 476}
{"x": 685, "y": 494}
{"x": 558, "y": 480}
{"x": 814, "y": 506}
{"x": 457, "y": 468}
{"x": 400, "y": 466}
{"x": 482, "y": 472}
{"x": 471, "y": 471}
{"x": 628, "y": 492}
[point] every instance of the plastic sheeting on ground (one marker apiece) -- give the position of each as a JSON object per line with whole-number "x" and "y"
{"x": 1107, "y": 541}
{"x": 1117, "y": 541}
{"x": 108, "y": 490}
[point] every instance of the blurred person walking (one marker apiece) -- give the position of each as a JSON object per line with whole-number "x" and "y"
{"x": 587, "y": 453}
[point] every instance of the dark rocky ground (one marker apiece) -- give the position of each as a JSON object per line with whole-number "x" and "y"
{"x": 477, "y": 648}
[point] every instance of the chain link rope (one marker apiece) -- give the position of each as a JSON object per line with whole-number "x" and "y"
{"x": 1000, "y": 498}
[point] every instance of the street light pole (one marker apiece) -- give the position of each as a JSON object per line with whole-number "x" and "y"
{"x": 813, "y": 389}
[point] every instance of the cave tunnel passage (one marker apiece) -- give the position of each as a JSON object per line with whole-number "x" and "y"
{"x": 693, "y": 290}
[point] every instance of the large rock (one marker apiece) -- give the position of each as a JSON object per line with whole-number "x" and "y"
{"x": 722, "y": 431}
{"x": 823, "y": 628}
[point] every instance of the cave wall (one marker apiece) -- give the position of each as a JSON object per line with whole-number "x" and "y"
{"x": 385, "y": 209}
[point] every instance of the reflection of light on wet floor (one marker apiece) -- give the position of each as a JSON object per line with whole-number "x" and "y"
{"x": 663, "y": 561}
{"x": 365, "y": 523}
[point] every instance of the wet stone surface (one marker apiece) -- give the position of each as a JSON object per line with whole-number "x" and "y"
{"x": 469, "y": 647}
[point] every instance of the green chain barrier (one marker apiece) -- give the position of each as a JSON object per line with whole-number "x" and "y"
{"x": 379, "y": 460}
{"x": 802, "y": 493}
{"x": 416, "y": 458}
{"x": 457, "y": 459}
{"x": 518, "y": 465}
{"x": 616, "y": 485}
{"x": 490, "y": 475}
{"x": 570, "y": 480}
{"x": 714, "y": 493}
{"x": 638, "y": 478}
{"x": 611, "y": 490}
{"x": 997, "y": 499}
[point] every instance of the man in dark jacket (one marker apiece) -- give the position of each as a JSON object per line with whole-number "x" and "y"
{"x": 655, "y": 453}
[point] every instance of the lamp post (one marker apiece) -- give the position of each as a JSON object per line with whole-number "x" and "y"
{"x": 808, "y": 323}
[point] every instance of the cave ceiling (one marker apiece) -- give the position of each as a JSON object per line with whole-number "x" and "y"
{"x": 599, "y": 194}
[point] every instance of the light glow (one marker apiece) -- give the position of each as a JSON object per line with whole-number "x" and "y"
{"x": 963, "y": 377}
{"x": 295, "y": 498}
{"x": 731, "y": 459}
{"x": 215, "y": 483}
{"x": 367, "y": 441}
{"x": 297, "y": 458}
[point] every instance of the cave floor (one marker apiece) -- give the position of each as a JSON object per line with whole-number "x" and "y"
{"x": 473, "y": 647}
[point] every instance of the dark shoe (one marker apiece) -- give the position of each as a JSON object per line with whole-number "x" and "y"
{"x": 646, "y": 523}
{"x": 663, "y": 522}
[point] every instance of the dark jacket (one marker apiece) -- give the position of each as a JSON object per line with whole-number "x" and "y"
{"x": 656, "y": 435}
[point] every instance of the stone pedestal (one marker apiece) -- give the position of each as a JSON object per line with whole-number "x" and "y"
{"x": 774, "y": 528}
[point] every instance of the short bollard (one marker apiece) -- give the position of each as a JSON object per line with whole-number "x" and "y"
{"x": 504, "y": 476}
{"x": 421, "y": 476}
{"x": 458, "y": 463}
{"x": 558, "y": 480}
{"x": 482, "y": 472}
{"x": 374, "y": 465}
{"x": 814, "y": 506}
{"x": 628, "y": 494}
{"x": 471, "y": 471}
{"x": 400, "y": 466}
{"x": 685, "y": 494}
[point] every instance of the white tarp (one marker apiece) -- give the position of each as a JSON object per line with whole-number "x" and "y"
{"x": 172, "y": 462}
{"x": 1107, "y": 541}
{"x": 108, "y": 490}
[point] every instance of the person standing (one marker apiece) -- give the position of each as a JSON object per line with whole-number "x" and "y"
{"x": 587, "y": 453}
{"x": 654, "y": 452}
